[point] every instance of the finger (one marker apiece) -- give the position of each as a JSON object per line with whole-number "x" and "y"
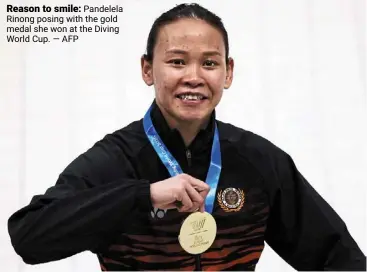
{"x": 199, "y": 185}
{"x": 204, "y": 193}
{"x": 202, "y": 208}
{"x": 194, "y": 195}
{"x": 203, "y": 190}
{"x": 186, "y": 202}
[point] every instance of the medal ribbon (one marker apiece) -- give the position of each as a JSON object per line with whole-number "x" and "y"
{"x": 174, "y": 168}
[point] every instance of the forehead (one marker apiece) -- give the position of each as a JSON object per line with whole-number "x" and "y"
{"x": 190, "y": 34}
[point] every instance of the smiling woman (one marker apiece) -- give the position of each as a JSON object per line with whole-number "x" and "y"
{"x": 188, "y": 64}
{"x": 179, "y": 189}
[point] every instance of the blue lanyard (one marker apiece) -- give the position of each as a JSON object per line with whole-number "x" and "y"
{"x": 174, "y": 168}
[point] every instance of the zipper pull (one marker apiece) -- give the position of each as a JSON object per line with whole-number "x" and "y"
{"x": 188, "y": 156}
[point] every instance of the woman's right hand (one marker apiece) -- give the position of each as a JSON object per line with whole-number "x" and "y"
{"x": 182, "y": 192}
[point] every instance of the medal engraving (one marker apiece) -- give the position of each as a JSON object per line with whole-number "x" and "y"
{"x": 198, "y": 232}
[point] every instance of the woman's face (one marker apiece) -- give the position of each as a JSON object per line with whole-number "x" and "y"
{"x": 189, "y": 70}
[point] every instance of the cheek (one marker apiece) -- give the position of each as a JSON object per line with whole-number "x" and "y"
{"x": 216, "y": 81}
{"x": 165, "y": 81}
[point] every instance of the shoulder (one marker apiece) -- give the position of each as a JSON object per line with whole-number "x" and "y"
{"x": 128, "y": 140}
{"x": 264, "y": 155}
{"x": 112, "y": 154}
{"x": 108, "y": 159}
{"x": 247, "y": 140}
{"x": 120, "y": 145}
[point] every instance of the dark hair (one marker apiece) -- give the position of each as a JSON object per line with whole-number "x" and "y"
{"x": 184, "y": 11}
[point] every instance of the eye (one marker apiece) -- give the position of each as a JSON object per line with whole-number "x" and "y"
{"x": 210, "y": 63}
{"x": 177, "y": 62}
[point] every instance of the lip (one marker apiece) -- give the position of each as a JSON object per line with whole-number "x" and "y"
{"x": 191, "y": 102}
{"x": 191, "y": 93}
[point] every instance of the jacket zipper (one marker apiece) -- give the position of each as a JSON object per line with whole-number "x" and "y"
{"x": 197, "y": 257}
{"x": 188, "y": 157}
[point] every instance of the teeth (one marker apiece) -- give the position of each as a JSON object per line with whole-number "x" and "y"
{"x": 191, "y": 97}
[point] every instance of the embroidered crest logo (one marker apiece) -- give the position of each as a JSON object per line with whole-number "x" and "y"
{"x": 231, "y": 199}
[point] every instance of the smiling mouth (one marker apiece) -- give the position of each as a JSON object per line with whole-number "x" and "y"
{"x": 191, "y": 97}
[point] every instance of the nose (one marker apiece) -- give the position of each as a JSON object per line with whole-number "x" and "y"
{"x": 193, "y": 77}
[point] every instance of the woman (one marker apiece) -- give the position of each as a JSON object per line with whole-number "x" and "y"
{"x": 126, "y": 198}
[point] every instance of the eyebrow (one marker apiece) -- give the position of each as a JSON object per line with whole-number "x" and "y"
{"x": 183, "y": 52}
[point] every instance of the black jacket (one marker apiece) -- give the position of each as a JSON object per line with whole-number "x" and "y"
{"x": 101, "y": 203}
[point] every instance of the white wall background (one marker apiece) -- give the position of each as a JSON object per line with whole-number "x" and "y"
{"x": 300, "y": 81}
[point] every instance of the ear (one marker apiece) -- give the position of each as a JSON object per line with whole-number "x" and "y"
{"x": 229, "y": 76}
{"x": 146, "y": 71}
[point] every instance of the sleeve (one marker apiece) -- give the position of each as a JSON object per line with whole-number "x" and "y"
{"x": 304, "y": 230}
{"x": 83, "y": 210}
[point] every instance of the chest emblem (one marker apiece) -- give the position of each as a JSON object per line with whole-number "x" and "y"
{"x": 231, "y": 199}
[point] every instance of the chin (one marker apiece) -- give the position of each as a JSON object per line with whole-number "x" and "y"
{"x": 192, "y": 116}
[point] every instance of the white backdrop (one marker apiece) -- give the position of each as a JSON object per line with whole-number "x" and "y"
{"x": 299, "y": 81}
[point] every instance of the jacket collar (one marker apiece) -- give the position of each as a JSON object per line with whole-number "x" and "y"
{"x": 172, "y": 138}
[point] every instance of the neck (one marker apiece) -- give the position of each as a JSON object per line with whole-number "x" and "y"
{"x": 187, "y": 129}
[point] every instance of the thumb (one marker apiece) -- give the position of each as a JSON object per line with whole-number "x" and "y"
{"x": 202, "y": 207}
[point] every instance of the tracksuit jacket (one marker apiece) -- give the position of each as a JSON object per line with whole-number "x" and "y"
{"x": 101, "y": 203}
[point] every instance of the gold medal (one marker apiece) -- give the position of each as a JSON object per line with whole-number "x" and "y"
{"x": 198, "y": 232}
